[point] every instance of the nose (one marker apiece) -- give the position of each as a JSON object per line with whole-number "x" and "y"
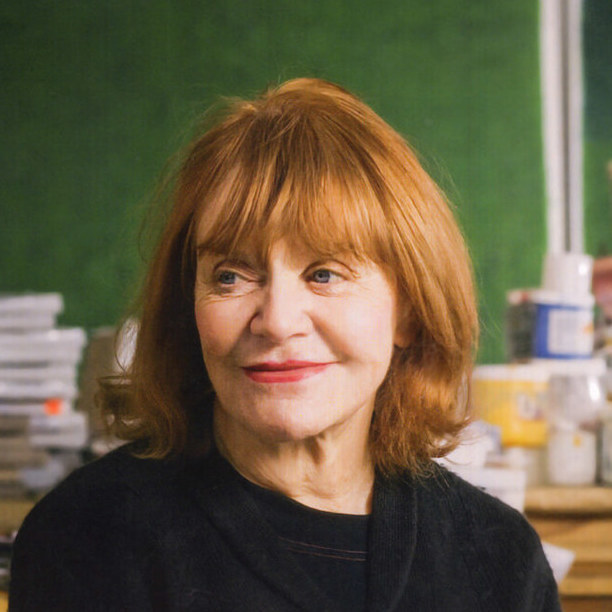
{"x": 282, "y": 311}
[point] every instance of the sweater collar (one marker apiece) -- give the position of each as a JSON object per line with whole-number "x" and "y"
{"x": 391, "y": 540}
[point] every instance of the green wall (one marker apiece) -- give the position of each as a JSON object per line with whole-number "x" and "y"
{"x": 96, "y": 95}
{"x": 598, "y": 125}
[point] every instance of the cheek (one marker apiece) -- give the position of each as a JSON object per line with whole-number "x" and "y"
{"x": 217, "y": 327}
{"x": 367, "y": 330}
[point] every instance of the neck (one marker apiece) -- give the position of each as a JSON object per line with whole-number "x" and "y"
{"x": 332, "y": 471}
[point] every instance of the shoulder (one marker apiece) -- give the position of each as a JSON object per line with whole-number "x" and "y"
{"x": 95, "y": 499}
{"x": 501, "y": 550}
{"x": 122, "y": 485}
{"x": 462, "y": 496}
{"x": 118, "y": 491}
{"x": 108, "y": 482}
{"x": 107, "y": 525}
{"x": 478, "y": 517}
{"x": 441, "y": 499}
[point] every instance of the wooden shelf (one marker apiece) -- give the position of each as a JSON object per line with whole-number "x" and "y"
{"x": 569, "y": 500}
{"x": 580, "y": 519}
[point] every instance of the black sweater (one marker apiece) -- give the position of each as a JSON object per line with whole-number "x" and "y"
{"x": 130, "y": 534}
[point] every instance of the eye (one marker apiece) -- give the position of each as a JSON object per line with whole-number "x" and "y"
{"x": 324, "y": 276}
{"x": 227, "y": 281}
{"x": 220, "y": 275}
{"x": 227, "y": 277}
{"x": 231, "y": 282}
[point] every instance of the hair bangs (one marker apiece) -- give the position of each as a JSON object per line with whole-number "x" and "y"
{"x": 329, "y": 208}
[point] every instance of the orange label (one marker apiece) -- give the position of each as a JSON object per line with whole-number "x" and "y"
{"x": 54, "y": 406}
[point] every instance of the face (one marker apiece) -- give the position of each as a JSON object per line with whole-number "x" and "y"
{"x": 295, "y": 347}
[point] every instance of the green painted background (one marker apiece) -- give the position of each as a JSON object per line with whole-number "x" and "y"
{"x": 96, "y": 95}
{"x": 598, "y": 125}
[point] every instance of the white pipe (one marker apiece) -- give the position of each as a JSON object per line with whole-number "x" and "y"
{"x": 574, "y": 107}
{"x": 553, "y": 122}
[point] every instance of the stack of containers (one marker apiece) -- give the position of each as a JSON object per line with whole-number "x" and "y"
{"x": 41, "y": 435}
{"x": 555, "y": 321}
{"x": 553, "y": 398}
{"x": 513, "y": 397}
{"x": 564, "y": 343}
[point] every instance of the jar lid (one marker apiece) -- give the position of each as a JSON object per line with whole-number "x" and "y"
{"x": 573, "y": 367}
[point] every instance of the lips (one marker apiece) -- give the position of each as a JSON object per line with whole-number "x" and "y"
{"x": 287, "y": 371}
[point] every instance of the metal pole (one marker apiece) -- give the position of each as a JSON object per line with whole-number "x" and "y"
{"x": 562, "y": 110}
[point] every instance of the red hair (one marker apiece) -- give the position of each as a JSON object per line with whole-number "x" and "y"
{"x": 307, "y": 160}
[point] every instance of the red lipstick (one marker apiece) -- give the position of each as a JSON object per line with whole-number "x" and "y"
{"x": 287, "y": 371}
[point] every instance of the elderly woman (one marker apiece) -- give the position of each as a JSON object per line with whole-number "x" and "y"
{"x": 307, "y": 329}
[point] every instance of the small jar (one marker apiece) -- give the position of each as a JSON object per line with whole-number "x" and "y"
{"x": 577, "y": 398}
{"x": 572, "y": 454}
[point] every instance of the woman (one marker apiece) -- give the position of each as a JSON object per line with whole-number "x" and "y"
{"x": 307, "y": 328}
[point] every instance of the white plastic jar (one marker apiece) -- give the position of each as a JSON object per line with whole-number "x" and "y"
{"x": 576, "y": 401}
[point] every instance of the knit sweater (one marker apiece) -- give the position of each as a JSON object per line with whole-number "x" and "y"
{"x": 124, "y": 533}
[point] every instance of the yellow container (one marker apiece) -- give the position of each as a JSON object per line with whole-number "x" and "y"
{"x": 513, "y": 397}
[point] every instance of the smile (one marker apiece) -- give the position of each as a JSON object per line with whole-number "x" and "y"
{"x": 288, "y": 371}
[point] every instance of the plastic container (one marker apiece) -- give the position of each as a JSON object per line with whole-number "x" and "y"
{"x": 531, "y": 460}
{"x": 29, "y": 311}
{"x": 57, "y": 345}
{"x": 572, "y": 455}
{"x": 65, "y": 372}
{"x": 564, "y": 308}
{"x": 544, "y": 324}
{"x": 513, "y": 397}
{"x": 556, "y": 321}
{"x": 568, "y": 273}
{"x": 42, "y": 390}
{"x": 577, "y": 401}
{"x": 563, "y": 325}
{"x": 59, "y": 431}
